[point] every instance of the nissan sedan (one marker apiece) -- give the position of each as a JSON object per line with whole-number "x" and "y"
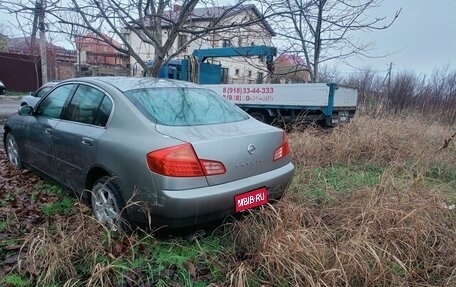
{"x": 149, "y": 150}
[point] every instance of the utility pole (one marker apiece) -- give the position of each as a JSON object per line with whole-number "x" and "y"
{"x": 389, "y": 75}
{"x": 41, "y": 5}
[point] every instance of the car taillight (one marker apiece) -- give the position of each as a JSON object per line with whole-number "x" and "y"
{"x": 284, "y": 148}
{"x": 212, "y": 167}
{"x": 181, "y": 161}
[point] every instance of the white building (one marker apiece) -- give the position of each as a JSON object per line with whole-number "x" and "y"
{"x": 236, "y": 69}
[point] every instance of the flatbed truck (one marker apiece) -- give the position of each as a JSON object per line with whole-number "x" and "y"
{"x": 327, "y": 104}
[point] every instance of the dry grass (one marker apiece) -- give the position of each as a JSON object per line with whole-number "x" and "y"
{"x": 378, "y": 237}
{"x": 73, "y": 245}
{"x": 380, "y": 140}
{"x": 401, "y": 232}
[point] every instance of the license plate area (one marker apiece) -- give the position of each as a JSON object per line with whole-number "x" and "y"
{"x": 251, "y": 199}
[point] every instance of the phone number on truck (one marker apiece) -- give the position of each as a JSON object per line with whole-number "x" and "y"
{"x": 249, "y": 98}
{"x": 262, "y": 90}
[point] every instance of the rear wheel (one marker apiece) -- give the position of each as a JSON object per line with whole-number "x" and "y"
{"x": 12, "y": 151}
{"x": 107, "y": 204}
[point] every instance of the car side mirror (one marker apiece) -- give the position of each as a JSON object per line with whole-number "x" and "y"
{"x": 25, "y": 110}
{"x": 32, "y": 93}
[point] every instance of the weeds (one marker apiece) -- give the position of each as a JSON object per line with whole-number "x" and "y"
{"x": 379, "y": 141}
{"x": 360, "y": 211}
{"x": 15, "y": 280}
{"x": 63, "y": 206}
{"x": 319, "y": 183}
{"x": 371, "y": 204}
{"x": 78, "y": 251}
{"x": 374, "y": 237}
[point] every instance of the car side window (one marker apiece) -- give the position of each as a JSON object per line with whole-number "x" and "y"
{"x": 53, "y": 104}
{"x": 103, "y": 112}
{"x": 42, "y": 92}
{"x": 89, "y": 106}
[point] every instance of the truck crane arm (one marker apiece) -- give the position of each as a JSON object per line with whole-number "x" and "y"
{"x": 262, "y": 51}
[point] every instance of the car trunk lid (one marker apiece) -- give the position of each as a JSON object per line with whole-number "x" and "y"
{"x": 245, "y": 148}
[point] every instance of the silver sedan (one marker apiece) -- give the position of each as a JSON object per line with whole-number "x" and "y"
{"x": 148, "y": 150}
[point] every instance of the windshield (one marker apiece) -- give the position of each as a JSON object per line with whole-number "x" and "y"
{"x": 184, "y": 106}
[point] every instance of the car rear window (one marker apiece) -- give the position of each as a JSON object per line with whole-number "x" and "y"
{"x": 184, "y": 106}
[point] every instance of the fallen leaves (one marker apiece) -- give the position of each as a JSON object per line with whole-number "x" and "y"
{"x": 28, "y": 229}
{"x": 20, "y": 211}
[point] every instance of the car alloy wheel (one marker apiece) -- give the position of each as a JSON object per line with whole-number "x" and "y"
{"x": 12, "y": 151}
{"x": 106, "y": 206}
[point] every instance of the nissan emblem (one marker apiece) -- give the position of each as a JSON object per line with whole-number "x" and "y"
{"x": 251, "y": 149}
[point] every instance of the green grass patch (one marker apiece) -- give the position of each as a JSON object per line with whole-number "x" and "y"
{"x": 11, "y": 242}
{"x": 15, "y": 280}
{"x": 318, "y": 182}
{"x": 63, "y": 206}
{"x": 61, "y": 203}
{"x": 443, "y": 173}
{"x": 48, "y": 188}
{"x": 3, "y": 225}
{"x": 397, "y": 269}
{"x": 163, "y": 262}
{"x": 8, "y": 197}
{"x": 192, "y": 263}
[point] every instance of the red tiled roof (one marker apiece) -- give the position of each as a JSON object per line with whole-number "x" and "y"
{"x": 290, "y": 60}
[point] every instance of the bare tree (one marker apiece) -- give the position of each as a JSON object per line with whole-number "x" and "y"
{"x": 369, "y": 86}
{"x": 431, "y": 96}
{"x": 157, "y": 23}
{"x": 4, "y": 32}
{"x": 28, "y": 19}
{"x": 322, "y": 30}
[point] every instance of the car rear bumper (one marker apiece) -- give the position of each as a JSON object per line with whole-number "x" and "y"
{"x": 184, "y": 208}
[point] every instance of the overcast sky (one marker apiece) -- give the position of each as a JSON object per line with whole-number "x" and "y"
{"x": 422, "y": 39}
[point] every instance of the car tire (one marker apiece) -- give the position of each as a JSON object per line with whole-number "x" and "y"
{"x": 12, "y": 151}
{"x": 108, "y": 205}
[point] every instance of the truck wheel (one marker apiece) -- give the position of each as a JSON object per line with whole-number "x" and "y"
{"x": 260, "y": 116}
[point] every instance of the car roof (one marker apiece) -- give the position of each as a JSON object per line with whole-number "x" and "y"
{"x": 50, "y": 84}
{"x": 131, "y": 83}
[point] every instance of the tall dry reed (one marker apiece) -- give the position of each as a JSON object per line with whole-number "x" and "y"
{"x": 400, "y": 232}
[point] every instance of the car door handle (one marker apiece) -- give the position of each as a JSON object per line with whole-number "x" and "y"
{"x": 48, "y": 131}
{"x": 87, "y": 141}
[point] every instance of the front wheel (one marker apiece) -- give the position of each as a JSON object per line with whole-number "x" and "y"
{"x": 12, "y": 151}
{"x": 107, "y": 204}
